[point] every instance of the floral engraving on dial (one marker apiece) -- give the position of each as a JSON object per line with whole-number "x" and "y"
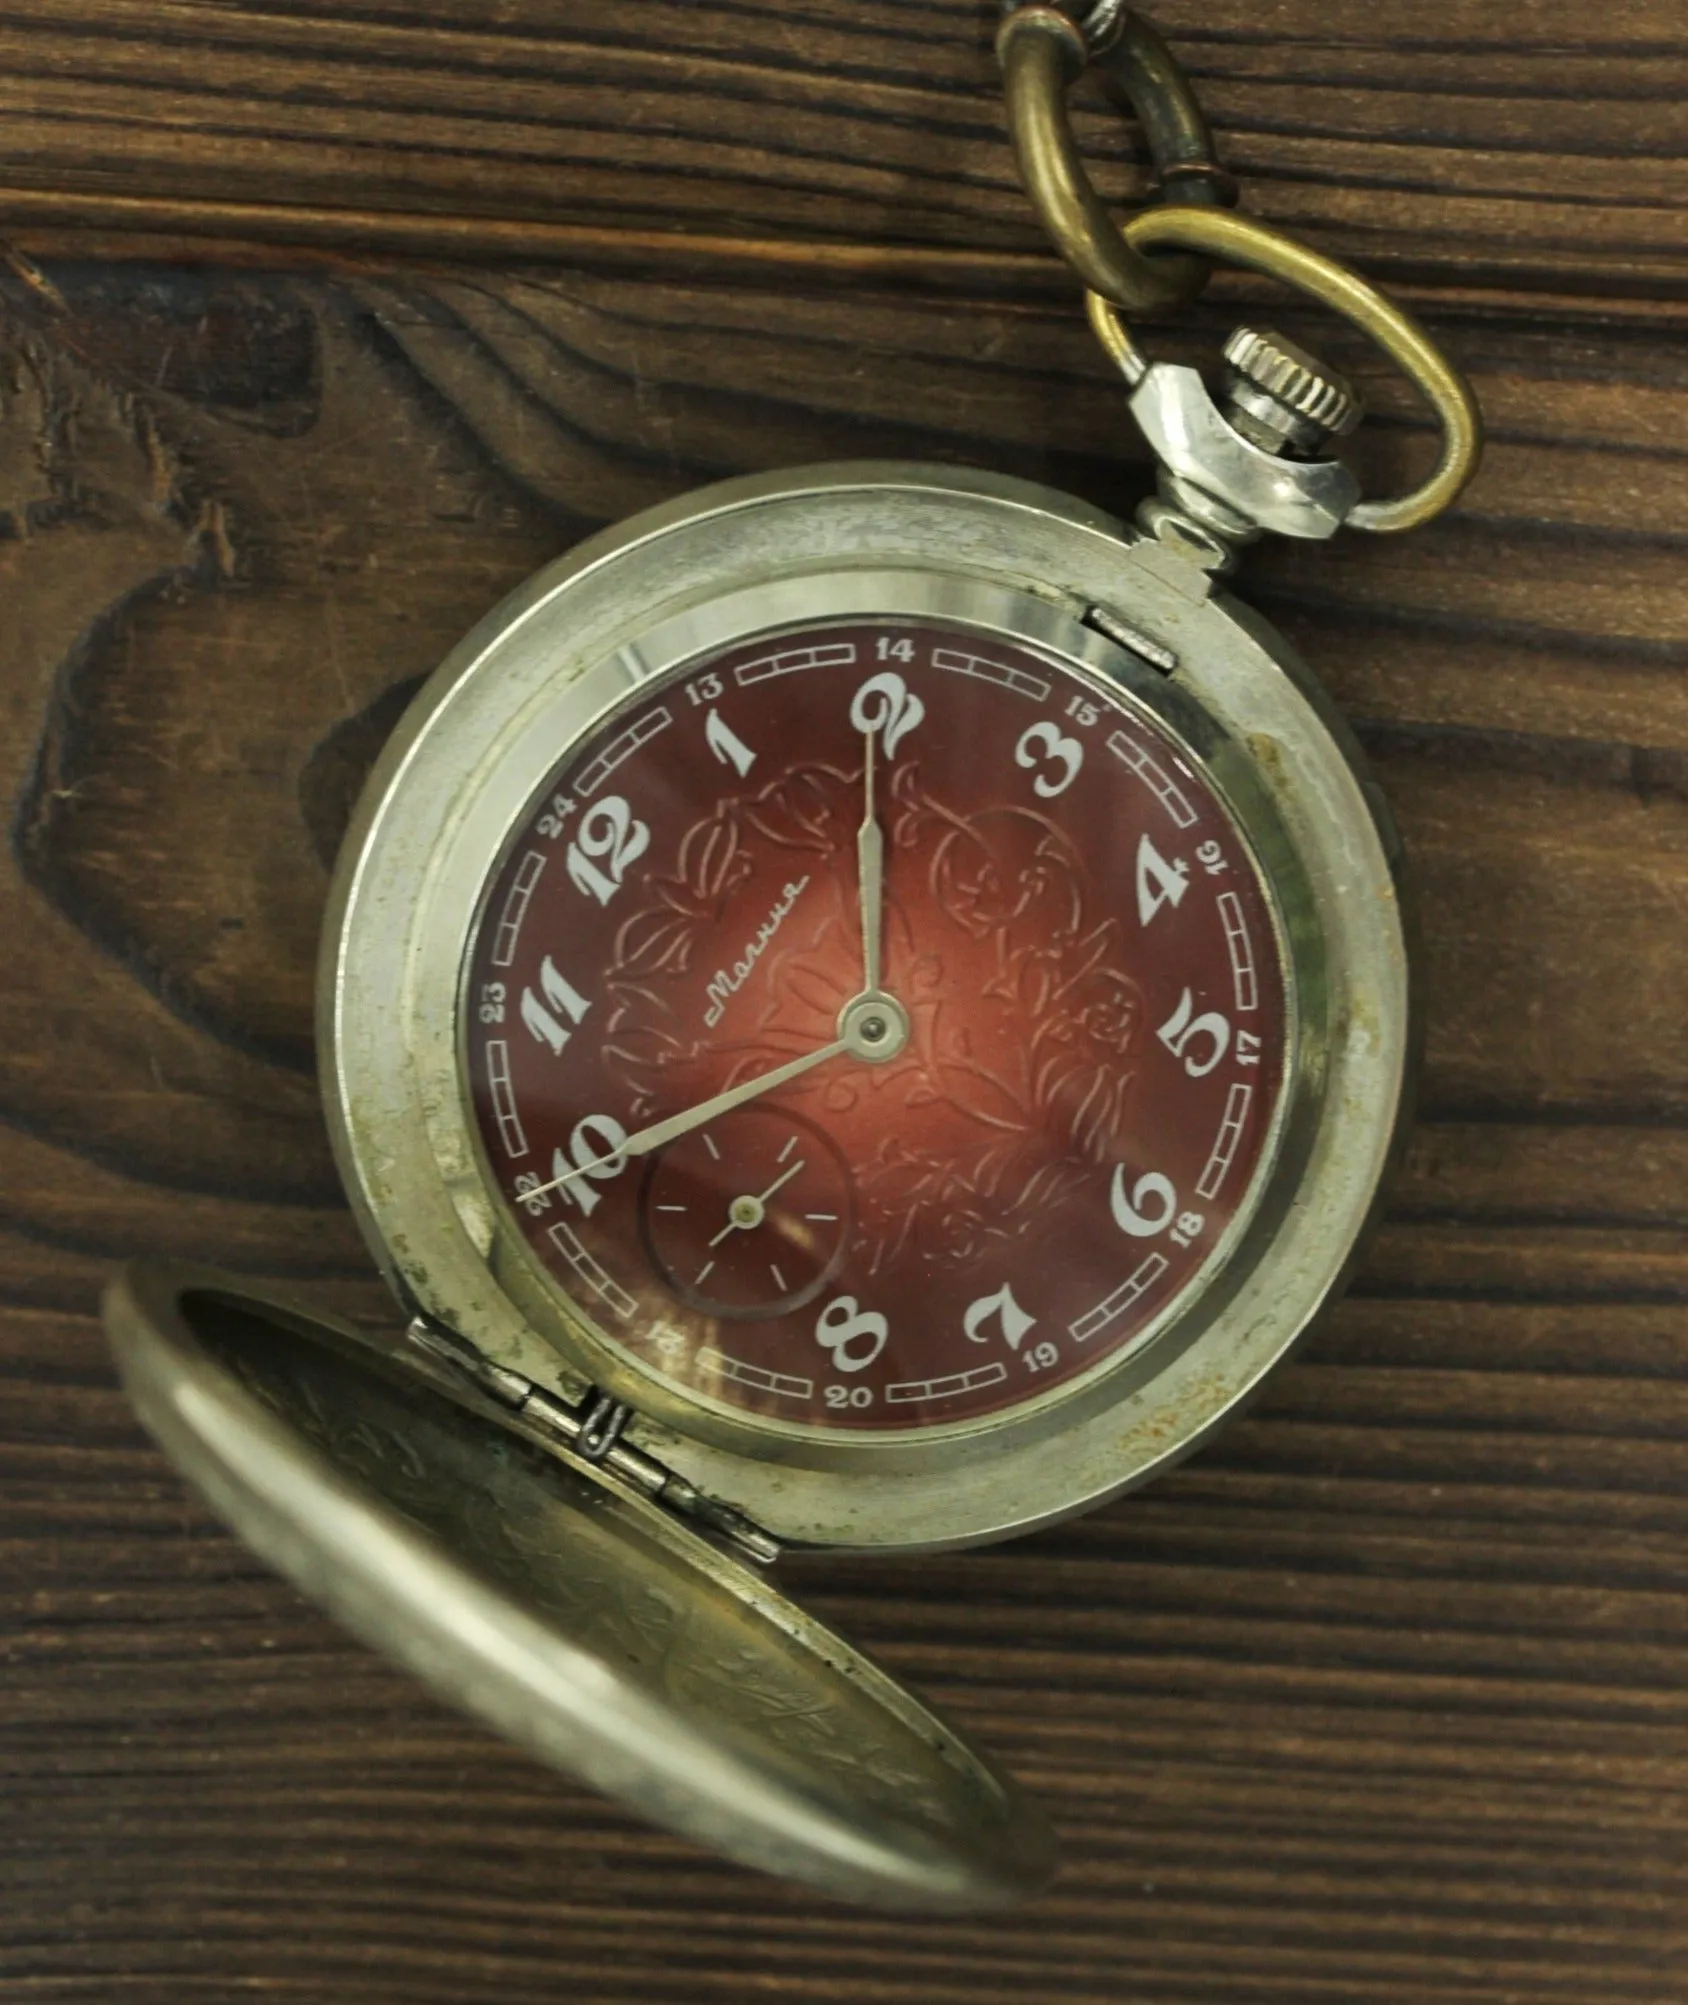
{"x": 655, "y": 1040}
{"x": 1015, "y": 1095}
{"x": 902, "y": 1037}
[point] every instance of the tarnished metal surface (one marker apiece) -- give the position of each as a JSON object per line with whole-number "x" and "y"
{"x": 563, "y": 1608}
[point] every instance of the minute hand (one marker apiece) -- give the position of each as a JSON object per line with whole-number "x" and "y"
{"x": 663, "y": 1132}
{"x": 870, "y": 873}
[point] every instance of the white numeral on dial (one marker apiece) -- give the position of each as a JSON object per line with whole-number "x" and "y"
{"x": 854, "y": 1336}
{"x": 1158, "y": 882}
{"x": 564, "y": 1000}
{"x": 727, "y": 745}
{"x": 886, "y": 704}
{"x": 1068, "y": 750}
{"x": 1015, "y": 1322}
{"x": 849, "y": 1395}
{"x": 593, "y": 1142}
{"x": 1148, "y": 1209}
{"x": 609, "y": 831}
{"x": 1181, "y": 1030}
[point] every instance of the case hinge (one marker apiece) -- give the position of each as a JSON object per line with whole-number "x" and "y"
{"x": 591, "y": 1432}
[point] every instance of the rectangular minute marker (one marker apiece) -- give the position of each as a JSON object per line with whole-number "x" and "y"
{"x": 946, "y": 1388}
{"x": 1113, "y": 1306}
{"x": 1242, "y": 950}
{"x": 1225, "y": 1146}
{"x": 791, "y": 660}
{"x": 510, "y": 1131}
{"x": 782, "y": 1383}
{"x": 622, "y": 748}
{"x": 601, "y": 1283}
{"x": 515, "y": 908}
{"x": 982, "y": 670}
{"x": 1154, "y": 776}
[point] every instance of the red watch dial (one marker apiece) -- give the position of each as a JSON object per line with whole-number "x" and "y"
{"x": 1019, "y": 974}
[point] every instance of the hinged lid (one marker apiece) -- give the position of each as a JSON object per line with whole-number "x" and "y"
{"x": 584, "y": 1622}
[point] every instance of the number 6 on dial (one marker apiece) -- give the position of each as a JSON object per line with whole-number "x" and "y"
{"x": 1148, "y": 1209}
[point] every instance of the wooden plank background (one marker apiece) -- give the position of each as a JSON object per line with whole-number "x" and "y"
{"x": 320, "y": 327}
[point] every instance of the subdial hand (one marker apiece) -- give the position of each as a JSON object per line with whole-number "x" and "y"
{"x": 870, "y": 873}
{"x": 746, "y": 1213}
{"x": 663, "y": 1132}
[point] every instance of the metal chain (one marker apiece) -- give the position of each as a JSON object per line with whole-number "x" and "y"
{"x": 1160, "y": 257}
{"x": 1043, "y": 51}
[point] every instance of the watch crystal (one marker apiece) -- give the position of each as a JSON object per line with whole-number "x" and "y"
{"x": 1011, "y": 959}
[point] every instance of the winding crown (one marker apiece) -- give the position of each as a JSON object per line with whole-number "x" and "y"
{"x": 1294, "y": 380}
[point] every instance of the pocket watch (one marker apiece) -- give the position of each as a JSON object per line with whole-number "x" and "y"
{"x": 864, "y": 1008}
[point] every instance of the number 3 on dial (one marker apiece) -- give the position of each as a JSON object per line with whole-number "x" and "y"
{"x": 1044, "y": 741}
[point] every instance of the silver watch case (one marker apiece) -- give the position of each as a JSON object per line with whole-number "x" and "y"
{"x": 769, "y": 551}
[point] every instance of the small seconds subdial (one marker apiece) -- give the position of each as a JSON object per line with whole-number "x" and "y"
{"x": 748, "y": 1217}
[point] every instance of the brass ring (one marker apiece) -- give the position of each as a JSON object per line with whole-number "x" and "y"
{"x": 1042, "y": 52}
{"x": 1240, "y": 240}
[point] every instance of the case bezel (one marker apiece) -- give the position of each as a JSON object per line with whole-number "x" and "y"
{"x": 1001, "y": 556}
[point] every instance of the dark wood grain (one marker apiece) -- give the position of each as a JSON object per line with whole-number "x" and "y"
{"x": 1471, "y": 144}
{"x": 1378, "y": 1700}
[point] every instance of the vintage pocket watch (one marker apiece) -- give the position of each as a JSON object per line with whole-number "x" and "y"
{"x": 865, "y": 1008}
